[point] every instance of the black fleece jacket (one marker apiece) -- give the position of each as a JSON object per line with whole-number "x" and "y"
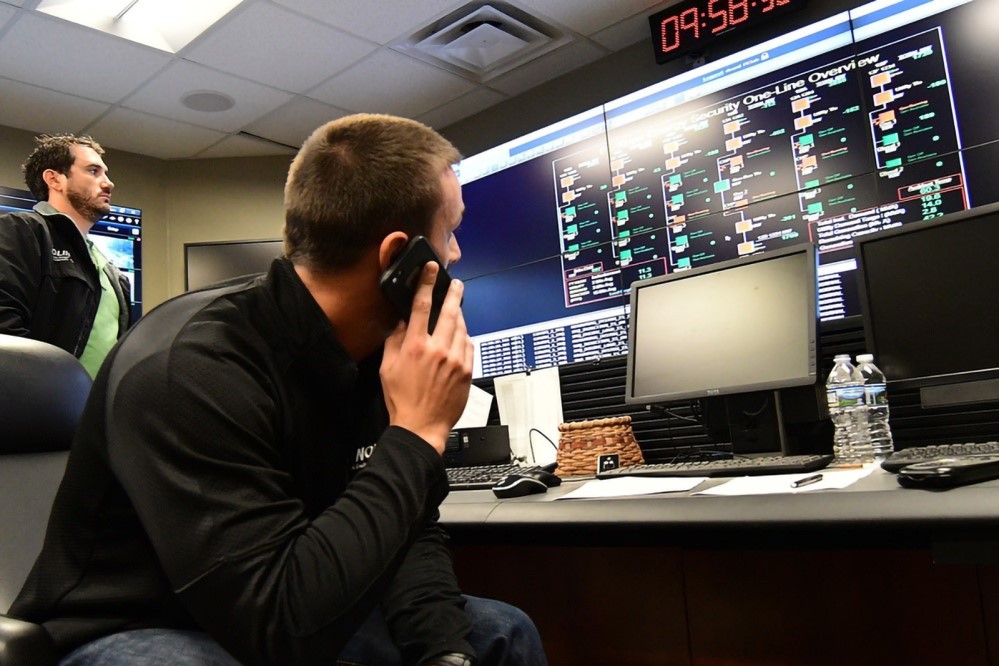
{"x": 49, "y": 286}
{"x": 234, "y": 471}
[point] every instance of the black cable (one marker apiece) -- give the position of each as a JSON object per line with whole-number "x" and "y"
{"x": 766, "y": 403}
{"x": 663, "y": 410}
{"x": 530, "y": 442}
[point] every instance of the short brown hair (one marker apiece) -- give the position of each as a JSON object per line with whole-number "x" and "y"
{"x": 358, "y": 179}
{"x": 52, "y": 152}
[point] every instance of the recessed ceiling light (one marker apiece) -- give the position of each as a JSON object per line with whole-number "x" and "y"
{"x": 168, "y": 25}
{"x": 208, "y": 100}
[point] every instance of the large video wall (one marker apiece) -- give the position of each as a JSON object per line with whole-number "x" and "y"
{"x": 872, "y": 118}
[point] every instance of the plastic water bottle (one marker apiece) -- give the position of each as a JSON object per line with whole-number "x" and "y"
{"x": 876, "y": 397}
{"x": 848, "y": 411}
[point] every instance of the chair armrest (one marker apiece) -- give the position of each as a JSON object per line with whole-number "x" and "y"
{"x": 25, "y": 644}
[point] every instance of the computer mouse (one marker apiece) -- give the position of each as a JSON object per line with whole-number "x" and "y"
{"x": 528, "y": 482}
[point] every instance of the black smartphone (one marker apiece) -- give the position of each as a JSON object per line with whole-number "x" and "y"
{"x": 399, "y": 281}
{"x": 950, "y": 471}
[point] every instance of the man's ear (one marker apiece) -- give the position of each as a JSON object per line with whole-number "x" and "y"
{"x": 390, "y": 248}
{"x": 53, "y": 179}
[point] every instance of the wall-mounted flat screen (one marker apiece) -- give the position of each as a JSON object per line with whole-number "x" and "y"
{"x": 208, "y": 263}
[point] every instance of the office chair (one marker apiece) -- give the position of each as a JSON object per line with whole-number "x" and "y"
{"x": 42, "y": 393}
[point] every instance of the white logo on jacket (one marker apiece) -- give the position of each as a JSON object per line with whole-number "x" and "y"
{"x": 363, "y": 453}
{"x": 61, "y": 255}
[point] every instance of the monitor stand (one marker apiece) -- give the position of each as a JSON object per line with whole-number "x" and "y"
{"x": 754, "y": 422}
{"x": 788, "y": 421}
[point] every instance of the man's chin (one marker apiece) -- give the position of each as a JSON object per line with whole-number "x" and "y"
{"x": 99, "y": 211}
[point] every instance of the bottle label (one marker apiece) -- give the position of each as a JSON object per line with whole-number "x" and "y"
{"x": 845, "y": 396}
{"x": 875, "y": 394}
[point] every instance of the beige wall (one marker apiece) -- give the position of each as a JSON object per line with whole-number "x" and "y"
{"x": 221, "y": 199}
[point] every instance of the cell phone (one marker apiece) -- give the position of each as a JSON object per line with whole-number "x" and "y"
{"x": 950, "y": 471}
{"x": 400, "y": 280}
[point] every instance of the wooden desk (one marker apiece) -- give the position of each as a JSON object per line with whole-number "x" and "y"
{"x": 874, "y": 574}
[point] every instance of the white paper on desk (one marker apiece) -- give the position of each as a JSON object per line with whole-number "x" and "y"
{"x": 771, "y": 484}
{"x": 626, "y": 486}
{"x": 529, "y": 401}
{"x": 477, "y": 408}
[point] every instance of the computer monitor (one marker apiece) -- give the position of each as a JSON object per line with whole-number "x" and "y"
{"x": 208, "y": 263}
{"x": 118, "y": 235}
{"x": 733, "y": 327}
{"x": 930, "y": 315}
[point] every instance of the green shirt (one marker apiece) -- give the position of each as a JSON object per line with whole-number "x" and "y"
{"x": 104, "y": 332}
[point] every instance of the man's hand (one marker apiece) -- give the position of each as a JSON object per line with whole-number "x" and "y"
{"x": 425, "y": 377}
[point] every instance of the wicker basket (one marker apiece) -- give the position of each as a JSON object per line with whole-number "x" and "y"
{"x": 582, "y": 442}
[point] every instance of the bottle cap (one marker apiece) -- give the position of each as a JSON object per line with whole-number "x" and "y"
{"x": 865, "y": 358}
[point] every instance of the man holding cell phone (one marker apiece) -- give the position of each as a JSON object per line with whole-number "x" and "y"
{"x": 258, "y": 472}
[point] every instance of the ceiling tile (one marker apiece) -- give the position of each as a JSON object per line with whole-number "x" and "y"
{"x": 292, "y": 123}
{"x": 590, "y": 17}
{"x": 40, "y": 110}
{"x": 54, "y": 54}
{"x": 625, "y": 33}
{"x": 278, "y": 48}
{"x": 291, "y": 65}
{"x": 358, "y": 17}
{"x": 163, "y": 94}
{"x": 244, "y": 146}
{"x": 144, "y": 134}
{"x": 556, "y": 63}
{"x": 467, "y": 105}
{"x": 6, "y": 12}
{"x": 388, "y": 82}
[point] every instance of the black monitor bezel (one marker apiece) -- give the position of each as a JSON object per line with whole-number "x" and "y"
{"x": 862, "y": 244}
{"x": 811, "y": 312}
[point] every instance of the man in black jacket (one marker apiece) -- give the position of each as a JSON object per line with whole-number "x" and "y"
{"x": 55, "y": 285}
{"x": 259, "y": 469}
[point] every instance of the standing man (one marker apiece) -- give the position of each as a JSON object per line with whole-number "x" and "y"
{"x": 259, "y": 469}
{"x": 55, "y": 285}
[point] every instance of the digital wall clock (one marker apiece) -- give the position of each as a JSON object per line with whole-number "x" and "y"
{"x": 691, "y": 25}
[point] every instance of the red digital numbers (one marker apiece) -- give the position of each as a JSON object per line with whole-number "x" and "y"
{"x": 768, "y": 5}
{"x": 738, "y": 11}
{"x": 691, "y": 19}
{"x": 672, "y": 29}
{"x": 670, "y": 38}
{"x": 715, "y": 14}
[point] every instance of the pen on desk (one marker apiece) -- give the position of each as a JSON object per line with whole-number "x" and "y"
{"x": 807, "y": 481}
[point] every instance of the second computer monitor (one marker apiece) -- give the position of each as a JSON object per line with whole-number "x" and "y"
{"x": 930, "y": 312}
{"x": 738, "y": 326}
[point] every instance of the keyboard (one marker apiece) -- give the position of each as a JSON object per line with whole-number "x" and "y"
{"x": 728, "y": 467}
{"x": 900, "y": 459}
{"x": 482, "y": 477}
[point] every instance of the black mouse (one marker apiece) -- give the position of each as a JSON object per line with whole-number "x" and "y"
{"x": 528, "y": 482}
